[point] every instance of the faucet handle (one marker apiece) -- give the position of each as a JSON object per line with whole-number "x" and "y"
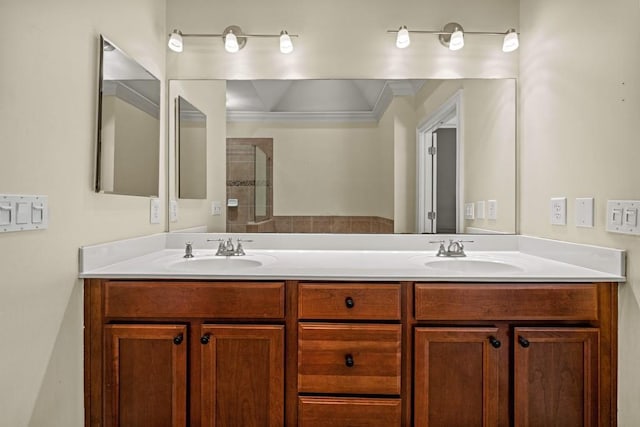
{"x": 188, "y": 250}
{"x": 239, "y": 249}
{"x": 221, "y": 245}
{"x": 441, "y": 250}
{"x": 460, "y": 242}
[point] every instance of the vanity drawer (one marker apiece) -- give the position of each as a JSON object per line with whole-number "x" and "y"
{"x": 348, "y": 301}
{"x": 345, "y": 358}
{"x": 348, "y": 412}
{"x": 508, "y": 301}
{"x": 220, "y": 300}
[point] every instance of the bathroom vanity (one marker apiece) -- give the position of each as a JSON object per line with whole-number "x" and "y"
{"x": 350, "y": 337}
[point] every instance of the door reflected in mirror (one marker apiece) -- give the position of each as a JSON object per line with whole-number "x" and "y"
{"x": 128, "y": 141}
{"x": 191, "y": 140}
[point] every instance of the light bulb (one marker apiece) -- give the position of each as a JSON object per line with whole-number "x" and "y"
{"x": 403, "y": 39}
{"x": 231, "y": 43}
{"x": 285, "y": 42}
{"x": 511, "y": 41}
{"x": 175, "y": 41}
{"x": 457, "y": 40}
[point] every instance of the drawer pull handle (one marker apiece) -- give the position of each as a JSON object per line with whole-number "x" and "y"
{"x": 495, "y": 342}
{"x": 523, "y": 341}
{"x": 177, "y": 340}
{"x": 205, "y": 338}
{"x": 348, "y": 361}
{"x": 349, "y": 302}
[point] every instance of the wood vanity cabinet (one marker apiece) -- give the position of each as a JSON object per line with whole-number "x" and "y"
{"x": 515, "y": 354}
{"x": 349, "y": 354}
{"x": 168, "y": 353}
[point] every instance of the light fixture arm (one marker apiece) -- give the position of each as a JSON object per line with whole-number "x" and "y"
{"x": 444, "y": 35}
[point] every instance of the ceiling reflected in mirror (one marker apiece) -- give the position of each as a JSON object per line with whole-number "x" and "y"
{"x": 341, "y": 100}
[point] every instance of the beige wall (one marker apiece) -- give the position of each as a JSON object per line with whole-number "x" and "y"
{"x": 489, "y": 111}
{"x": 323, "y": 168}
{"x": 136, "y": 154}
{"x": 403, "y": 150}
{"x": 579, "y": 110}
{"x": 48, "y": 107}
{"x": 209, "y": 97}
{"x": 192, "y": 180}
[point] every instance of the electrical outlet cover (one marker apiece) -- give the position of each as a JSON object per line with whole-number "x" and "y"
{"x": 492, "y": 210}
{"x": 154, "y": 211}
{"x": 559, "y": 211}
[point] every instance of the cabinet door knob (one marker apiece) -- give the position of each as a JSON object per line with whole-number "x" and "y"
{"x": 177, "y": 340}
{"x": 348, "y": 361}
{"x": 205, "y": 338}
{"x": 523, "y": 341}
{"x": 495, "y": 342}
{"x": 349, "y": 302}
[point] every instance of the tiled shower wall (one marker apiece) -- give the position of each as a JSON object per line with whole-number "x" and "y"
{"x": 323, "y": 224}
{"x": 241, "y": 186}
{"x": 241, "y": 181}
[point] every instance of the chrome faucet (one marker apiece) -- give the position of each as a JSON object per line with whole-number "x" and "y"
{"x": 226, "y": 248}
{"x": 455, "y": 248}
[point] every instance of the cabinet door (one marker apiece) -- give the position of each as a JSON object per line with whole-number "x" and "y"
{"x": 556, "y": 376}
{"x": 456, "y": 377}
{"x": 146, "y": 375}
{"x": 242, "y": 375}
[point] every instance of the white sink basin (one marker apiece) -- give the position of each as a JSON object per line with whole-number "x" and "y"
{"x": 471, "y": 266}
{"x": 214, "y": 264}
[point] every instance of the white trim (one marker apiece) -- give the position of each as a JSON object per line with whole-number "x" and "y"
{"x": 425, "y": 129}
{"x": 332, "y": 116}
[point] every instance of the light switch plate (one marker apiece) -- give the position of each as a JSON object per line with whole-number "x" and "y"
{"x": 23, "y": 212}
{"x": 622, "y": 216}
{"x": 584, "y": 212}
{"x": 559, "y": 211}
{"x": 468, "y": 211}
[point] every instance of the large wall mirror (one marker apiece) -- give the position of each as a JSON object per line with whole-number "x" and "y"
{"x": 128, "y": 141}
{"x": 191, "y": 150}
{"x": 382, "y": 156}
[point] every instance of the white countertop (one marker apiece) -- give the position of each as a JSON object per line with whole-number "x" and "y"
{"x": 353, "y": 257}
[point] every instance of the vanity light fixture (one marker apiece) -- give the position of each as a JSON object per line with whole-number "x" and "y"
{"x": 403, "y": 40}
{"x": 511, "y": 41}
{"x": 175, "y": 41}
{"x": 233, "y": 38}
{"x": 231, "y": 43}
{"x": 452, "y": 36}
{"x": 456, "y": 39}
{"x": 286, "y": 46}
